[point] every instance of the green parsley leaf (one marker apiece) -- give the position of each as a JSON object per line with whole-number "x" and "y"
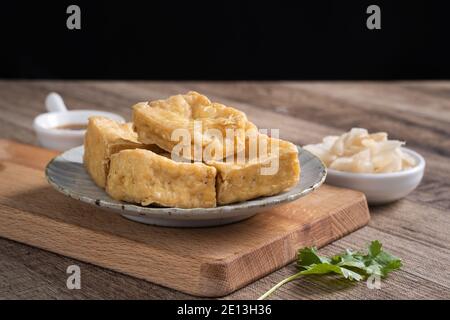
{"x": 309, "y": 256}
{"x": 375, "y": 248}
{"x": 323, "y": 268}
{"x": 354, "y": 266}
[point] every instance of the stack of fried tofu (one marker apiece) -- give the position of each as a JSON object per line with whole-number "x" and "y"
{"x": 137, "y": 163}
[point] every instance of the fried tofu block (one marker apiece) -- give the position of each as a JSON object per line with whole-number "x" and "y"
{"x": 156, "y": 121}
{"x": 257, "y": 174}
{"x": 103, "y": 138}
{"x": 144, "y": 177}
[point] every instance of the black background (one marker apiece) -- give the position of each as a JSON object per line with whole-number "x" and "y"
{"x": 225, "y": 40}
{"x": 281, "y": 309}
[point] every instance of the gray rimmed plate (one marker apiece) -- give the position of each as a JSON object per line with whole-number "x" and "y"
{"x": 67, "y": 174}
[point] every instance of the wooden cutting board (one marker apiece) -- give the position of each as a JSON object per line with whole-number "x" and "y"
{"x": 206, "y": 262}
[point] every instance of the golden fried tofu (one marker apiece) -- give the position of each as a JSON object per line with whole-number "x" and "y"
{"x": 156, "y": 122}
{"x": 257, "y": 173}
{"x": 103, "y": 138}
{"x": 144, "y": 177}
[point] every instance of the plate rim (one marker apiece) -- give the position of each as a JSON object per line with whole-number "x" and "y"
{"x": 223, "y": 211}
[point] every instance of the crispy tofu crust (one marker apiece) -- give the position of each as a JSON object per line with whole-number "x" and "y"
{"x": 243, "y": 180}
{"x": 133, "y": 161}
{"x": 103, "y": 138}
{"x": 156, "y": 121}
{"x": 144, "y": 177}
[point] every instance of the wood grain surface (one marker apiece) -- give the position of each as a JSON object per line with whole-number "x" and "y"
{"x": 207, "y": 262}
{"x": 416, "y": 228}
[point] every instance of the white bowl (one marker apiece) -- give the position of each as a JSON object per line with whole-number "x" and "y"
{"x": 381, "y": 188}
{"x": 64, "y": 139}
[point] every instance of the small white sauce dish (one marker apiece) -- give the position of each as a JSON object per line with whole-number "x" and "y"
{"x": 381, "y": 188}
{"x": 46, "y": 125}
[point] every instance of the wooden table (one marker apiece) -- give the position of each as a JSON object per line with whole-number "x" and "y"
{"x": 417, "y": 229}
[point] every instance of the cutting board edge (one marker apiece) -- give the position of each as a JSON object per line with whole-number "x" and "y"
{"x": 222, "y": 269}
{"x": 27, "y": 237}
{"x": 215, "y": 277}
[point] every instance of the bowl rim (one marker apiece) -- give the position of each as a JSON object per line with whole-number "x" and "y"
{"x": 414, "y": 170}
{"x": 38, "y": 127}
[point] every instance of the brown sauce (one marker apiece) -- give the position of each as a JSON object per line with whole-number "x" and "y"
{"x": 72, "y": 126}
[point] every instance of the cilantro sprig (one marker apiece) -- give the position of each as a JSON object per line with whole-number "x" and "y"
{"x": 354, "y": 266}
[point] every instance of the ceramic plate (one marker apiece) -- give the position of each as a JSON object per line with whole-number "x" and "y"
{"x": 67, "y": 174}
